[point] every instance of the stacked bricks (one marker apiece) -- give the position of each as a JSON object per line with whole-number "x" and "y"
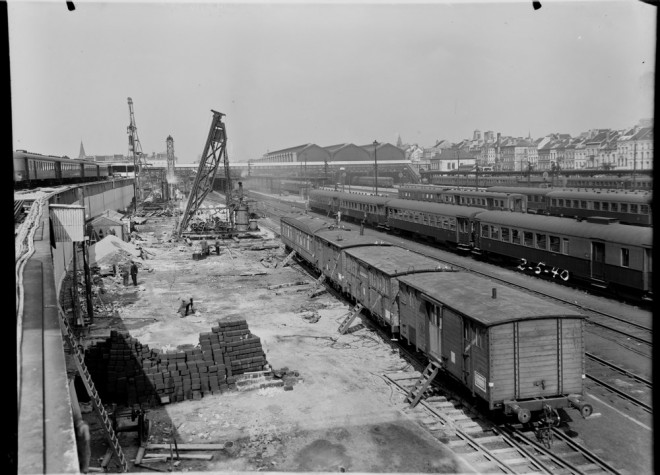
{"x": 241, "y": 350}
{"x": 125, "y": 371}
{"x": 117, "y": 367}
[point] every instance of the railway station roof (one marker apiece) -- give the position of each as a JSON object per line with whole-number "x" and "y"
{"x": 397, "y": 261}
{"x": 472, "y": 296}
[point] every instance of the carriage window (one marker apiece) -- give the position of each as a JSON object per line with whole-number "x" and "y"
{"x": 554, "y": 243}
{"x": 614, "y": 207}
{"x": 597, "y": 205}
{"x": 625, "y": 257}
{"x": 564, "y": 244}
{"x": 528, "y": 238}
{"x": 633, "y": 209}
{"x": 576, "y": 204}
{"x": 644, "y": 209}
{"x": 452, "y": 224}
{"x": 624, "y": 207}
{"x": 515, "y": 236}
{"x": 541, "y": 241}
{"x": 606, "y": 206}
{"x": 506, "y": 234}
{"x": 583, "y": 204}
{"x": 484, "y": 230}
{"x": 495, "y": 232}
{"x": 553, "y": 201}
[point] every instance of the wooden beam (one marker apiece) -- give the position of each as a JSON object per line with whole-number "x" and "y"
{"x": 187, "y": 446}
{"x": 147, "y": 457}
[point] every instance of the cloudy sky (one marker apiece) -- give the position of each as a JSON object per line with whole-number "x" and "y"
{"x": 294, "y": 73}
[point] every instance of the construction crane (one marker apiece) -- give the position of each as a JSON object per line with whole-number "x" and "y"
{"x": 140, "y": 166}
{"x": 215, "y": 151}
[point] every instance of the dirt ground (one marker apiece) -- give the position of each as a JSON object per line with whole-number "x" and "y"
{"x": 340, "y": 416}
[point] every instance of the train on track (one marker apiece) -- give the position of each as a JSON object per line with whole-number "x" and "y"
{"x": 641, "y": 182}
{"x": 596, "y": 251}
{"x": 33, "y": 169}
{"x": 383, "y": 181}
{"x": 629, "y": 207}
{"x": 517, "y": 353}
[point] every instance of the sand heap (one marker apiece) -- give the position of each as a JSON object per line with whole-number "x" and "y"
{"x": 111, "y": 250}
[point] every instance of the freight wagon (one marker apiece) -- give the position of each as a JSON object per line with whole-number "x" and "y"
{"x": 514, "y": 351}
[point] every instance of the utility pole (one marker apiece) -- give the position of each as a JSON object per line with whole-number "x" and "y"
{"x": 375, "y": 168}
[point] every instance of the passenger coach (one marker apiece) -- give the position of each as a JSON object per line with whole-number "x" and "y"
{"x": 514, "y": 351}
{"x": 598, "y": 251}
{"x": 627, "y": 207}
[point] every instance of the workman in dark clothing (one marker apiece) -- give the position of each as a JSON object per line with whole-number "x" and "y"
{"x": 183, "y": 307}
{"x": 189, "y": 306}
{"x": 134, "y": 271}
{"x": 217, "y": 247}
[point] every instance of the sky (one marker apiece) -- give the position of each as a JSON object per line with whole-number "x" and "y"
{"x": 287, "y": 74}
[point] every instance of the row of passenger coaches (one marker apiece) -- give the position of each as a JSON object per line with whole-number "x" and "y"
{"x": 629, "y": 207}
{"x": 513, "y": 351}
{"x": 598, "y": 251}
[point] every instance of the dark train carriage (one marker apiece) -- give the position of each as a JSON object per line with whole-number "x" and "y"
{"x": 324, "y": 201}
{"x": 329, "y": 247}
{"x": 536, "y": 197}
{"x": 297, "y": 234}
{"x": 360, "y": 207}
{"x": 597, "y": 251}
{"x": 515, "y": 351}
{"x": 422, "y": 192}
{"x": 447, "y": 224}
{"x": 370, "y": 276}
{"x": 486, "y": 199}
{"x": 627, "y": 207}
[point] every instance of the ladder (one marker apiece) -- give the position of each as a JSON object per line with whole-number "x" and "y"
{"x": 286, "y": 259}
{"x": 94, "y": 396}
{"x": 422, "y": 383}
{"x": 322, "y": 278}
{"x": 349, "y": 318}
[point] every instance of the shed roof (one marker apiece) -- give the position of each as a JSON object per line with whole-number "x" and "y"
{"x": 471, "y": 296}
{"x": 307, "y": 224}
{"x": 397, "y": 260}
{"x": 105, "y": 221}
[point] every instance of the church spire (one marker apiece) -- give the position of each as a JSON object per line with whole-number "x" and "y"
{"x": 81, "y": 155}
{"x": 399, "y": 142}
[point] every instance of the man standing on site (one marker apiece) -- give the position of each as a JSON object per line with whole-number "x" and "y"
{"x": 134, "y": 272}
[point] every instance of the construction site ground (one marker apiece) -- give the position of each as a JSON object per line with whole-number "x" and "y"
{"x": 340, "y": 415}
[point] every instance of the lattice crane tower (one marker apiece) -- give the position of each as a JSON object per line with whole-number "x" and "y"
{"x": 171, "y": 176}
{"x": 139, "y": 163}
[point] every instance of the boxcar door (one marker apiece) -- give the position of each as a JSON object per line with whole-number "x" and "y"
{"x": 434, "y": 316}
{"x": 597, "y": 260}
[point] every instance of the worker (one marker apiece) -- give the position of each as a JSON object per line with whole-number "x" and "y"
{"x": 217, "y": 247}
{"x": 124, "y": 274}
{"x": 183, "y": 307}
{"x": 143, "y": 253}
{"x": 100, "y": 234}
{"x": 134, "y": 272}
{"x": 190, "y": 307}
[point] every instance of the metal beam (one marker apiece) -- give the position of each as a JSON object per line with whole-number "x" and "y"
{"x": 215, "y": 150}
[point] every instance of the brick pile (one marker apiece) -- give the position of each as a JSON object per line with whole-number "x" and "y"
{"x": 127, "y": 372}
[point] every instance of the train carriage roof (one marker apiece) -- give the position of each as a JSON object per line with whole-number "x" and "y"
{"x": 307, "y": 224}
{"x": 397, "y": 260}
{"x": 437, "y": 208}
{"x": 471, "y": 296}
{"x": 481, "y": 194}
{"x": 355, "y": 197}
{"x": 614, "y": 232}
{"x": 344, "y": 238}
{"x": 524, "y": 190}
{"x": 642, "y": 197}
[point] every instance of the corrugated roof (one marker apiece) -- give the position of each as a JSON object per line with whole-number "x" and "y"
{"x": 613, "y": 233}
{"x": 397, "y": 260}
{"x": 471, "y": 296}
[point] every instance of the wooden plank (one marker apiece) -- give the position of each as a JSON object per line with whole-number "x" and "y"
{"x": 147, "y": 457}
{"x": 187, "y": 446}
{"x": 140, "y": 454}
{"x": 106, "y": 458}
